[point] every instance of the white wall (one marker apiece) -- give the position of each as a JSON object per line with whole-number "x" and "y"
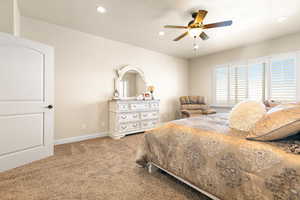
{"x": 6, "y": 16}
{"x": 84, "y": 73}
{"x": 9, "y": 17}
{"x": 201, "y": 68}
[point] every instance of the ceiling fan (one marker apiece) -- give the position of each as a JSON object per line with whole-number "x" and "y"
{"x": 195, "y": 27}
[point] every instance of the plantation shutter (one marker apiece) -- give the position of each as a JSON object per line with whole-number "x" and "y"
{"x": 256, "y": 81}
{"x": 221, "y": 77}
{"x": 238, "y": 84}
{"x": 283, "y": 79}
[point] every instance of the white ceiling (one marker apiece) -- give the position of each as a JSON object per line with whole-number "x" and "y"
{"x": 138, "y": 21}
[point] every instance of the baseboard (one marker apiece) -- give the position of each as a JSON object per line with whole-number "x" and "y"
{"x": 80, "y": 138}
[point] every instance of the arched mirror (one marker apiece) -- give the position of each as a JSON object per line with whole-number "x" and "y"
{"x": 130, "y": 82}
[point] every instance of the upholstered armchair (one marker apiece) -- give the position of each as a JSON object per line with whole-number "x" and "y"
{"x": 193, "y": 106}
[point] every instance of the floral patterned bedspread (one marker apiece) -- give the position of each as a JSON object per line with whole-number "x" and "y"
{"x": 219, "y": 160}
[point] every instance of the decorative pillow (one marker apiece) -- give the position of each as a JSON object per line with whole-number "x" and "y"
{"x": 245, "y": 114}
{"x": 280, "y": 122}
{"x": 282, "y": 107}
{"x": 271, "y": 103}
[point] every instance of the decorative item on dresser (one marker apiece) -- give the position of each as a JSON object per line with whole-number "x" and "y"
{"x": 151, "y": 89}
{"x": 132, "y": 116}
{"x": 131, "y": 111}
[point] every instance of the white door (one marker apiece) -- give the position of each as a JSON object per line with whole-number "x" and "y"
{"x": 26, "y": 98}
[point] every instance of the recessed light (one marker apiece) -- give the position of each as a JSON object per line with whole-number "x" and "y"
{"x": 161, "y": 33}
{"x": 281, "y": 19}
{"x": 101, "y": 9}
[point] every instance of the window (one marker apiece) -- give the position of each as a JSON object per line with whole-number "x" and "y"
{"x": 273, "y": 78}
{"x": 283, "y": 79}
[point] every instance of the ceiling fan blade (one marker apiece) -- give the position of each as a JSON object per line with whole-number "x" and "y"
{"x": 203, "y": 36}
{"x": 181, "y": 36}
{"x": 171, "y": 26}
{"x": 200, "y": 16}
{"x": 219, "y": 24}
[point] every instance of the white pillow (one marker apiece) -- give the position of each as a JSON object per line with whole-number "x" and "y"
{"x": 245, "y": 114}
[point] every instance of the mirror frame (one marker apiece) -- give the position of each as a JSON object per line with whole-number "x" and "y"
{"x": 122, "y": 71}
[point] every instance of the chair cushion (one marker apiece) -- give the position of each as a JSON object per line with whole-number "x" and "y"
{"x": 194, "y": 107}
{"x": 191, "y": 100}
{"x": 195, "y": 115}
{"x": 196, "y": 100}
{"x": 245, "y": 114}
{"x": 195, "y": 111}
{"x": 280, "y": 122}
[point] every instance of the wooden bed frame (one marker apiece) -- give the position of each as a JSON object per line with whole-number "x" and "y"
{"x": 152, "y": 167}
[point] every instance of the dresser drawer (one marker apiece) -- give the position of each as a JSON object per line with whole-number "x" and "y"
{"x": 123, "y": 107}
{"x": 154, "y": 105}
{"x": 129, "y": 127}
{"x": 127, "y": 117}
{"x": 139, "y": 106}
{"x": 148, "y": 124}
{"x": 149, "y": 115}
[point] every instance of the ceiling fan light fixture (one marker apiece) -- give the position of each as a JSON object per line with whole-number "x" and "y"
{"x": 161, "y": 33}
{"x": 194, "y": 32}
{"x": 101, "y": 9}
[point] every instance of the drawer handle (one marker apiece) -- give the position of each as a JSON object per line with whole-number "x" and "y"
{"x": 123, "y": 127}
{"x": 123, "y": 117}
{"x": 145, "y": 115}
{"x": 134, "y": 125}
{"x": 135, "y": 116}
{"x": 145, "y": 124}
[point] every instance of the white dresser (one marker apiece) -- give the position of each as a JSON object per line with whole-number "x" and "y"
{"x": 132, "y": 116}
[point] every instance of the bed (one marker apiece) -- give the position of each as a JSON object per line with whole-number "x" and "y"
{"x": 218, "y": 161}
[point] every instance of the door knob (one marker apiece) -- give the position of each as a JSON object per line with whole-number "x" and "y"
{"x": 49, "y": 107}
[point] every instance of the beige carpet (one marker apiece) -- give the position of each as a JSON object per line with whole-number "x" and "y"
{"x": 97, "y": 169}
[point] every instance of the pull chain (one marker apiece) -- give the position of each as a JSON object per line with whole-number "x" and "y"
{"x": 195, "y": 46}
